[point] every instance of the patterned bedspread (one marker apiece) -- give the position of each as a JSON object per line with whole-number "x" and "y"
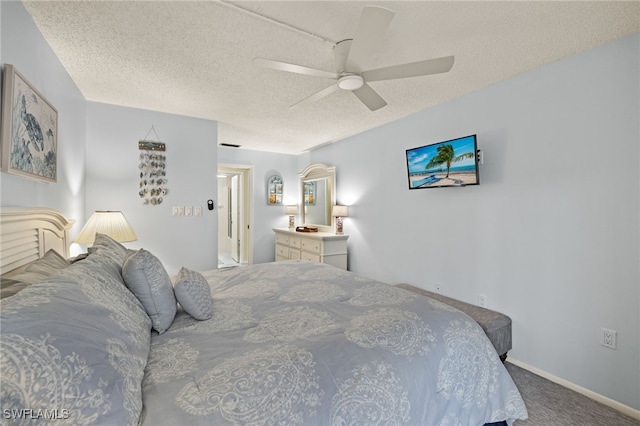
{"x": 301, "y": 343}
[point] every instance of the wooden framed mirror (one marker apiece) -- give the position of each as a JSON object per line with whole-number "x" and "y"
{"x": 317, "y": 196}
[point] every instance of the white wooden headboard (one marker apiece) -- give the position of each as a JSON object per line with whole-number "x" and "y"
{"x": 27, "y": 233}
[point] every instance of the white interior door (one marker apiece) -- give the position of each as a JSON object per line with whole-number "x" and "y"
{"x": 241, "y": 215}
{"x": 234, "y": 219}
{"x": 224, "y": 235}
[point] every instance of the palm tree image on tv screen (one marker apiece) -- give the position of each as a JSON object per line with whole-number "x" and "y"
{"x": 449, "y": 163}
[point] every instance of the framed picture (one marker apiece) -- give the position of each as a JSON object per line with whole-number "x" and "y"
{"x": 274, "y": 191}
{"x": 310, "y": 193}
{"x": 29, "y": 129}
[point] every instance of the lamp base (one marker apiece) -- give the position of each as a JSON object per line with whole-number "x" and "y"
{"x": 292, "y": 222}
{"x": 339, "y": 226}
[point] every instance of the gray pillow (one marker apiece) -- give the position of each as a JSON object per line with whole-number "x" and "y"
{"x": 9, "y": 287}
{"x": 35, "y": 272}
{"x": 194, "y": 294}
{"x": 145, "y": 276}
{"x": 51, "y": 262}
{"x": 109, "y": 247}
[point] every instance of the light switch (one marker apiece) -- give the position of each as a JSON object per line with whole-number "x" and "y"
{"x": 197, "y": 211}
{"x": 188, "y": 211}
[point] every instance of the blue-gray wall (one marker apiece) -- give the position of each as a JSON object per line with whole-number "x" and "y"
{"x": 23, "y": 46}
{"x": 113, "y": 181}
{"x": 98, "y": 157}
{"x": 265, "y": 217}
{"x": 551, "y": 234}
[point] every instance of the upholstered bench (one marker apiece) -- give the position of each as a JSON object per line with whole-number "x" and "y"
{"x": 497, "y": 326}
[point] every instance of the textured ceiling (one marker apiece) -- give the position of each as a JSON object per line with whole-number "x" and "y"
{"x": 194, "y": 58}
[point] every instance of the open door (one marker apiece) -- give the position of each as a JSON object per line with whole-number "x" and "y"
{"x": 235, "y": 219}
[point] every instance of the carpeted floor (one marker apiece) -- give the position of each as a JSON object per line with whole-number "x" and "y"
{"x": 550, "y": 404}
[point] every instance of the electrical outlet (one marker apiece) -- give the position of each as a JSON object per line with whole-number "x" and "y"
{"x": 438, "y": 288}
{"x": 608, "y": 338}
{"x": 482, "y": 300}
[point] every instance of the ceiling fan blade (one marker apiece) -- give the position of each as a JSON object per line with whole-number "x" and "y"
{"x": 414, "y": 69}
{"x": 373, "y": 24}
{"x": 370, "y": 97}
{"x": 321, "y": 94}
{"x": 297, "y": 69}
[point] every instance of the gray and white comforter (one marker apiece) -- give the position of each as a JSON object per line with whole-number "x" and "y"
{"x": 301, "y": 343}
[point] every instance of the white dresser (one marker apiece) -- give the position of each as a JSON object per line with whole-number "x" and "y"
{"x": 324, "y": 247}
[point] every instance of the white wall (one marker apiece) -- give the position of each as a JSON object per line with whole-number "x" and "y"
{"x": 265, "y": 216}
{"x": 550, "y": 236}
{"x": 23, "y": 46}
{"x": 113, "y": 181}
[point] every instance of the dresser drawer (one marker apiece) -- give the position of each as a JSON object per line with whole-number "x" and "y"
{"x": 294, "y": 242}
{"x": 294, "y": 254}
{"x": 309, "y": 256}
{"x": 282, "y": 251}
{"x": 310, "y": 245}
{"x": 282, "y": 239}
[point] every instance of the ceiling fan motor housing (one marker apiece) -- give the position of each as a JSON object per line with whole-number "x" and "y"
{"x": 350, "y": 82}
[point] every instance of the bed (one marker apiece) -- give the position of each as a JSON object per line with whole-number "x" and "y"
{"x": 287, "y": 343}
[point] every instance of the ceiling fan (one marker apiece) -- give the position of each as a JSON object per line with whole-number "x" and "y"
{"x": 351, "y": 56}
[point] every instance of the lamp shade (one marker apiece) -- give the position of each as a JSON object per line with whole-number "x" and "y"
{"x": 111, "y": 223}
{"x": 340, "y": 211}
{"x": 293, "y": 209}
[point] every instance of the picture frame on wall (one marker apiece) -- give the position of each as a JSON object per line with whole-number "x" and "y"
{"x": 274, "y": 191}
{"x": 29, "y": 129}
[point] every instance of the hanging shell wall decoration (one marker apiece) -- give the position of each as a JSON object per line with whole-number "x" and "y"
{"x": 153, "y": 172}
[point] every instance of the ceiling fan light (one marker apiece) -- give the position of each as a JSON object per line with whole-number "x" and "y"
{"x": 350, "y": 82}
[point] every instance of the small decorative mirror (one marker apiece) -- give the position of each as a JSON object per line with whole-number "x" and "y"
{"x": 274, "y": 191}
{"x": 318, "y": 192}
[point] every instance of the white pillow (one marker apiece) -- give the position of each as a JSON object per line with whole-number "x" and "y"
{"x": 145, "y": 276}
{"x": 194, "y": 294}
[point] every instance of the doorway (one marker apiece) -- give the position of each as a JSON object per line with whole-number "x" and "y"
{"x": 235, "y": 219}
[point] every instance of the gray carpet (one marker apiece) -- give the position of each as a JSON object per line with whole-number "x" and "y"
{"x": 550, "y": 404}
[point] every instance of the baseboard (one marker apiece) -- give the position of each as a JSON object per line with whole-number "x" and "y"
{"x": 625, "y": 409}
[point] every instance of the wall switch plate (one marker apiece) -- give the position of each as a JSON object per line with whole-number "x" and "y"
{"x": 188, "y": 211}
{"x": 180, "y": 211}
{"x": 197, "y": 211}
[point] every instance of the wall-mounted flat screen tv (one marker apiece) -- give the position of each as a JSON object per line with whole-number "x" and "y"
{"x": 449, "y": 163}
